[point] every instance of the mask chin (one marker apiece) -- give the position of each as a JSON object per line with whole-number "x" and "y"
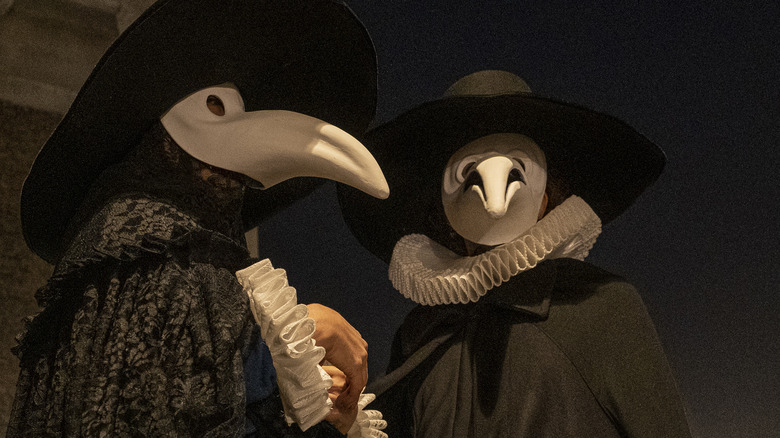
{"x": 468, "y": 217}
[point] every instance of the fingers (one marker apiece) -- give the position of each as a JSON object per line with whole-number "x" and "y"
{"x": 339, "y": 380}
{"x": 342, "y": 418}
{"x": 354, "y": 364}
{"x": 345, "y": 348}
{"x": 342, "y": 415}
{"x": 357, "y": 377}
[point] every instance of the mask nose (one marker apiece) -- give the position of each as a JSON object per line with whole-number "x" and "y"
{"x": 491, "y": 177}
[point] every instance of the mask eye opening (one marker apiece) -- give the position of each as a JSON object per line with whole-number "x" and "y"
{"x": 473, "y": 179}
{"x": 215, "y": 105}
{"x": 465, "y": 170}
{"x": 515, "y": 175}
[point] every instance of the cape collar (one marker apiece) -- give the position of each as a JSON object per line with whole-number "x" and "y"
{"x": 430, "y": 274}
{"x": 134, "y": 225}
{"x": 428, "y": 327}
{"x": 528, "y": 292}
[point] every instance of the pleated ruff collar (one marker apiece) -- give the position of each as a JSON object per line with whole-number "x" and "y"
{"x": 430, "y": 274}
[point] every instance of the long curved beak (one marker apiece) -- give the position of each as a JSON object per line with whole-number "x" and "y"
{"x": 271, "y": 146}
{"x": 279, "y": 145}
{"x": 494, "y": 192}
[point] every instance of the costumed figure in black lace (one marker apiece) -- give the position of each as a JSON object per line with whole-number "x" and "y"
{"x": 144, "y": 327}
{"x": 140, "y": 200}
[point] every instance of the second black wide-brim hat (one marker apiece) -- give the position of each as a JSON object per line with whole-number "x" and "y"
{"x": 601, "y": 158}
{"x": 309, "y": 56}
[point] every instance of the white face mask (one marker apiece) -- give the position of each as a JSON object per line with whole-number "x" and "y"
{"x": 493, "y": 188}
{"x": 269, "y": 146}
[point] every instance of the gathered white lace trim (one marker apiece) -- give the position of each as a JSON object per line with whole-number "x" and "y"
{"x": 369, "y": 423}
{"x": 430, "y": 274}
{"x": 287, "y": 330}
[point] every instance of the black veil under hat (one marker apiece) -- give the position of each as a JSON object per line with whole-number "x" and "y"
{"x": 307, "y": 56}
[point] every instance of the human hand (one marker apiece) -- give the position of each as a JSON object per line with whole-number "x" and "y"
{"x": 345, "y": 349}
{"x": 340, "y": 418}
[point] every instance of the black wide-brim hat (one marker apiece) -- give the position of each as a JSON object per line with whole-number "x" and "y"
{"x": 602, "y": 159}
{"x": 309, "y": 56}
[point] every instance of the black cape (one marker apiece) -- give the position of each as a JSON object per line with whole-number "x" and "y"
{"x": 562, "y": 350}
{"x": 141, "y": 333}
{"x": 145, "y": 330}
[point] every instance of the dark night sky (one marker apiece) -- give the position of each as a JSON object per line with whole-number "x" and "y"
{"x": 698, "y": 78}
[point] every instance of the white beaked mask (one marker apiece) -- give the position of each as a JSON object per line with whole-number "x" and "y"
{"x": 269, "y": 146}
{"x": 493, "y": 188}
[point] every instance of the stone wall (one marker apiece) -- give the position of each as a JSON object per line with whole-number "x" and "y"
{"x": 22, "y": 132}
{"x": 47, "y": 50}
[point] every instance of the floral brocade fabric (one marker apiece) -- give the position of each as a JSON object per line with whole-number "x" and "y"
{"x": 142, "y": 331}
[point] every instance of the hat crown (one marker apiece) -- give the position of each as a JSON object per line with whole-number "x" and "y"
{"x": 488, "y": 83}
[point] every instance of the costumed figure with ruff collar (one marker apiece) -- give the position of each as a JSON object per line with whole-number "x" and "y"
{"x": 140, "y": 198}
{"x": 497, "y": 196}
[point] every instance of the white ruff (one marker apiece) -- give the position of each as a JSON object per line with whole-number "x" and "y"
{"x": 430, "y": 274}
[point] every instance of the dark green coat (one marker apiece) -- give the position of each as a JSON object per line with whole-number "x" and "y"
{"x": 562, "y": 350}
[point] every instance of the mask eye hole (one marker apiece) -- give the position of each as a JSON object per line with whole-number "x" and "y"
{"x": 464, "y": 172}
{"x": 515, "y": 175}
{"x": 215, "y": 105}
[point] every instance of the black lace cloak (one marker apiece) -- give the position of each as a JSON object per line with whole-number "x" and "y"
{"x": 144, "y": 327}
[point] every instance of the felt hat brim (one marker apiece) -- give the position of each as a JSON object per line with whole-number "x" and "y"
{"x": 602, "y": 159}
{"x": 309, "y": 56}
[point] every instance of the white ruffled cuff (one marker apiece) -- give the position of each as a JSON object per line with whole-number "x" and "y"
{"x": 369, "y": 423}
{"x": 287, "y": 330}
